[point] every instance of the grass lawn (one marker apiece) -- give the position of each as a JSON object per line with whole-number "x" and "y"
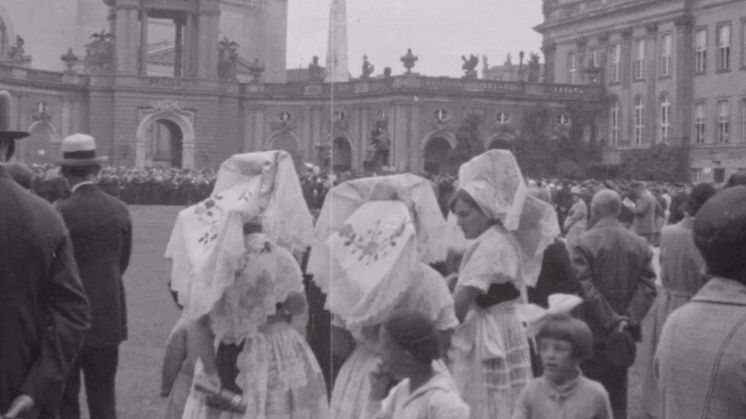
{"x": 151, "y": 315}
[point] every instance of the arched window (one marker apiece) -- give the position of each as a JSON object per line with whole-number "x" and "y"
{"x": 665, "y": 118}
{"x": 639, "y": 120}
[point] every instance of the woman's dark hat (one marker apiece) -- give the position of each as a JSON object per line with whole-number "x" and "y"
{"x": 80, "y": 150}
{"x": 5, "y": 132}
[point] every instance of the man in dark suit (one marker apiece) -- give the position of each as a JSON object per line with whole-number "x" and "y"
{"x": 617, "y": 281}
{"x": 44, "y": 313}
{"x": 101, "y": 231}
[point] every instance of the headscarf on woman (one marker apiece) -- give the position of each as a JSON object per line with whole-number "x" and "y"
{"x": 495, "y": 182}
{"x": 491, "y": 361}
{"x": 207, "y": 242}
{"x": 372, "y": 242}
{"x": 410, "y": 200}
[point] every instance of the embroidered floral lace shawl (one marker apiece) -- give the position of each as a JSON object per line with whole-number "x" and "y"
{"x": 367, "y": 263}
{"x": 414, "y": 191}
{"x": 207, "y": 242}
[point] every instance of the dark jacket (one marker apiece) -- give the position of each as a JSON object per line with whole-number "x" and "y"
{"x": 615, "y": 271}
{"x": 44, "y": 313}
{"x": 101, "y": 232}
{"x": 556, "y": 275}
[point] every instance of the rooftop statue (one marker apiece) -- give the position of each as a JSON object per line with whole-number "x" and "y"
{"x": 368, "y": 68}
{"x": 315, "y": 71}
{"x": 469, "y": 66}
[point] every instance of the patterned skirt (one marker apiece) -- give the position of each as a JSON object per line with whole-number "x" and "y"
{"x": 490, "y": 384}
{"x": 279, "y": 376}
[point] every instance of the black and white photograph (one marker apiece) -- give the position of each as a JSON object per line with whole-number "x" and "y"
{"x": 356, "y": 209}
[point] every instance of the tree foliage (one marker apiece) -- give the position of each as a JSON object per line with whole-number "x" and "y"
{"x": 468, "y": 140}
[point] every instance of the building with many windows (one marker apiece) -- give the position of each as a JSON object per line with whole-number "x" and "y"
{"x": 674, "y": 71}
{"x": 160, "y": 84}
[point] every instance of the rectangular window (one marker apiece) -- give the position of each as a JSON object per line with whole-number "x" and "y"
{"x": 743, "y": 120}
{"x": 595, "y": 54}
{"x": 743, "y": 43}
{"x": 639, "y": 63}
{"x": 723, "y": 40}
{"x": 572, "y": 68}
{"x": 700, "y": 48}
{"x": 665, "y": 119}
{"x": 723, "y": 121}
{"x": 639, "y": 121}
{"x": 616, "y": 59}
{"x": 615, "y": 124}
{"x": 699, "y": 123}
{"x": 666, "y": 55}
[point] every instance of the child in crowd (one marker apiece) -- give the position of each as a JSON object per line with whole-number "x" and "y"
{"x": 409, "y": 345}
{"x": 563, "y": 392}
{"x": 185, "y": 344}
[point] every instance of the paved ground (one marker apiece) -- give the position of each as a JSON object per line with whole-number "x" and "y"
{"x": 151, "y": 315}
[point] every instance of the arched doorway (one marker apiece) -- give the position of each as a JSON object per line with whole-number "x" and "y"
{"x": 42, "y": 145}
{"x": 164, "y": 144}
{"x": 437, "y": 150}
{"x": 286, "y": 141}
{"x": 341, "y": 155}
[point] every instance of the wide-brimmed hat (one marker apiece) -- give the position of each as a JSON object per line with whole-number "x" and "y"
{"x": 80, "y": 150}
{"x": 5, "y": 132}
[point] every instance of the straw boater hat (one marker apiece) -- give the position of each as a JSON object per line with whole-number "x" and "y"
{"x": 80, "y": 150}
{"x": 5, "y": 132}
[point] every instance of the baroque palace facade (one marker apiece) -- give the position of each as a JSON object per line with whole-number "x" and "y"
{"x": 674, "y": 72}
{"x": 187, "y": 83}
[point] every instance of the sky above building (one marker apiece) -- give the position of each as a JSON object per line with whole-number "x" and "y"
{"x": 438, "y": 31}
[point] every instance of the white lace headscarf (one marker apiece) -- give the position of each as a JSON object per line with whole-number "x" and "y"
{"x": 495, "y": 182}
{"x": 207, "y": 242}
{"x": 367, "y": 263}
{"x": 350, "y": 297}
{"x": 414, "y": 191}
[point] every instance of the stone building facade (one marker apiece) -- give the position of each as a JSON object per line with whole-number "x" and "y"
{"x": 674, "y": 70}
{"x": 202, "y": 113}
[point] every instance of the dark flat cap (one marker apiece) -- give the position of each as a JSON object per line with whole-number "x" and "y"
{"x": 720, "y": 231}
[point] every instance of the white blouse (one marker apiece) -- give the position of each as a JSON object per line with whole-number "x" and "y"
{"x": 436, "y": 399}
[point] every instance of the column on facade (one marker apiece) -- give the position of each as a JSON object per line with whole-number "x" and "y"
{"x": 625, "y": 69}
{"x": 415, "y": 163}
{"x": 652, "y": 103}
{"x": 125, "y": 39}
{"x": 189, "y": 51}
{"x": 399, "y": 137}
{"x": 208, "y": 41}
{"x": 178, "y": 46}
{"x": 550, "y": 50}
{"x": 143, "y": 51}
{"x": 356, "y": 137}
{"x": 683, "y": 73}
{"x": 580, "y": 63}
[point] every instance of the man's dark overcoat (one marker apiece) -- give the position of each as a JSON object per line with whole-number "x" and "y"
{"x": 44, "y": 313}
{"x": 101, "y": 231}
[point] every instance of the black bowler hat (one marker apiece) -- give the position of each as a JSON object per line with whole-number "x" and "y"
{"x": 80, "y": 150}
{"x": 5, "y": 133}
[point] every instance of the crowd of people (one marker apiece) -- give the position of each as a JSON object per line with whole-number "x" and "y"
{"x": 485, "y": 295}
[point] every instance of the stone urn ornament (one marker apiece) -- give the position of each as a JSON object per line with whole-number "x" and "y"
{"x": 409, "y": 60}
{"x": 256, "y": 69}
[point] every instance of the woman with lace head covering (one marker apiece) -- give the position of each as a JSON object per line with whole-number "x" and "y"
{"x": 239, "y": 282}
{"x": 373, "y": 241}
{"x": 509, "y": 231}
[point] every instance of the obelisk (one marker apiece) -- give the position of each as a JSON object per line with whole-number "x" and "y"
{"x": 336, "y": 53}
